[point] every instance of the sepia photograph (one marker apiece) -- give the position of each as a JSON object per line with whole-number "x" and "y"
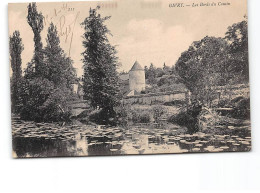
{"x": 126, "y": 77}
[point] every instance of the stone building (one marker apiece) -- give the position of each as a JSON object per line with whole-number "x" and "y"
{"x": 133, "y": 83}
{"x": 136, "y": 78}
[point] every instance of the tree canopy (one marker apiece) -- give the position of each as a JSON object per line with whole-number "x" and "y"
{"x": 35, "y": 20}
{"x": 237, "y": 38}
{"x": 47, "y": 85}
{"x": 215, "y": 62}
{"x": 100, "y": 63}
{"x": 16, "y": 47}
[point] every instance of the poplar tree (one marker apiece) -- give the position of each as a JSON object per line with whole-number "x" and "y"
{"x": 59, "y": 67}
{"x": 100, "y": 80}
{"x": 35, "y": 20}
{"x": 16, "y": 47}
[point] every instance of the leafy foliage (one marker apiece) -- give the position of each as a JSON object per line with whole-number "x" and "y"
{"x": 59, "y": 67}
{"x": 35, "y": 93}
{"x": 158, "y": 111}
{"x": 100, "y": 64}
{"x": 213, "y": 62}
{"x": 202, "y": 64}
{"x": 242, "y": 109}
{"x": 35, "y": 20}
{"x": 47, "y": 86}
{"x": 188, "y": 118}
{"x": 237, "y": 38}
{"x": 16, "y": 47}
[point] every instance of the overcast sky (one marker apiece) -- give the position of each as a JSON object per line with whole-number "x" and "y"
{"x": 148, "y": 34}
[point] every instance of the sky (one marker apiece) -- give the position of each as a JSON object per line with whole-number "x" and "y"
{"x": 149, "y": 31}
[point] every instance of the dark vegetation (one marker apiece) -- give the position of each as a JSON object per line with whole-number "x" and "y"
{"x": 45, "y": 90}
{"x": 188, "y": 118}
{"x": 46, "y": 87}
{"x": 16, "y": 47}
{"x": 100, "y": 80}
{"x": 240, "y": 107}
{"x": 103, "y": 117}
{"x": 213, "y": 62}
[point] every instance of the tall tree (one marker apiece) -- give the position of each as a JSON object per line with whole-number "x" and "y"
{"x": 59, "y": 67}
{"x": 16, "y": 47}
{"x": 46, "y": 96}
{"x": 237, "y": 37}
{"x": 151, "y": 74}
{"x": 35, "y": 20}
{"x": 203, "y": 66}
{"x": 100, "y": 63}
{"x": 166, "y": 69}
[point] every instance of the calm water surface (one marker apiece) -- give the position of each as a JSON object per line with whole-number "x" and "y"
{"x": 45, "y": 139}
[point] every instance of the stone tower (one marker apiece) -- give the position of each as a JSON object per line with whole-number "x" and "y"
{"x": 137, "y": 78}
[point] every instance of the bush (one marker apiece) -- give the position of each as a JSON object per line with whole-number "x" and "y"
{"x": 241, "y": 109}
{"x": 137, "y": 115}
{"x": 122, "y": 114}
{"x": 34, "y": 93}
{"x": 163, "y": 81}
{"x": 141, "y": 117}
{"x": 103, "y": 117}
{"x": 158, "y": 111}
{"x": 185, "y": 120}
{"x": 188, "y": 119}
{"x": 229, "y": 104}
{"x": 42, "y": 102}
{"x": 223, "y": 103}
{"x": 56, "y": 107}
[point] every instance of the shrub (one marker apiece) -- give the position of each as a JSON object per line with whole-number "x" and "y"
{"x": 223, "y": 103}
{"x": 56, "y": 107}
{"x": 241, "y": 109}
{"x": 185, "y": 120}
{"x": 141, "y": 117}
{"x": 103, "y": 117}
{"x": 135, "y": 114}
{"x": 33, "y": 95}
{"x": 188, "y": 118}
{"x": 42, "y": 102}
{"x": 122, "y": 114}
{"x": 158, "y": 111}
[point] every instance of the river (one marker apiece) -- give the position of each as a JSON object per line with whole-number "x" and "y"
{"x": 32, "y": 139}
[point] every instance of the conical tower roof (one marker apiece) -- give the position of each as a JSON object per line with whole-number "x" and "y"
{"x": 136, "y": 66}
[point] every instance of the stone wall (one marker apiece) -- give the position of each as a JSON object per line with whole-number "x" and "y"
{"x": 156, "y": 98}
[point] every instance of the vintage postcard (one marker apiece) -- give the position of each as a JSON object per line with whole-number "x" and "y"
{"x": 128, "y": 77}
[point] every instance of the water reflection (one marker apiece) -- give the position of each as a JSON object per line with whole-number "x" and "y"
{"x": 48, "y": 140}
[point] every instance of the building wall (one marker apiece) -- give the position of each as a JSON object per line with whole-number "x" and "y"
{"x": 137, "y": 80}
{"x": 146, "y": 99}
{"x": 221, "y": 93}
